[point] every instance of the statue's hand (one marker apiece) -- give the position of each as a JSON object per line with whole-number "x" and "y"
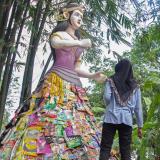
{"x": 85, "y": 43}
{"x": 99, "y": 77}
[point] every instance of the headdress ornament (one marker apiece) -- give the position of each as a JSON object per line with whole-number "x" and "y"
{"x": 81, "y": 8}
{"x": 65, "y": 13}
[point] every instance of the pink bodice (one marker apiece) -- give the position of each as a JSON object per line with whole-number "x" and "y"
{"x": 66, "y": 57}
{"x": 64, "y": 65}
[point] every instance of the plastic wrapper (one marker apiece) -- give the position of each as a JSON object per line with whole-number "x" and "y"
{"x": 59, "y": 130}
{"x": 30, "y": 147}
{"x": 58, "y": 125}
{"x": 43, "y": 147}
{"x": 73, "y": 141}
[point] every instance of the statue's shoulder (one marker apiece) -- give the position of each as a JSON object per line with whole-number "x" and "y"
{"x": 59, "y": 34}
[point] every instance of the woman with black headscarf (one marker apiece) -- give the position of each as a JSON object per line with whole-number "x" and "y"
{"x": 122, "y": 97}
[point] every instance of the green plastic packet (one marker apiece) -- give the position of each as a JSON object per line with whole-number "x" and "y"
{"x": 73, "y": 141}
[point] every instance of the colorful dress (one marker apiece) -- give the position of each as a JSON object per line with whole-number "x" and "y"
{"x": 59, "y": 124}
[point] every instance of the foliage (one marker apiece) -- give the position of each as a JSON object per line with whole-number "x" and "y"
{"x": 142, "y": 12}
{"x": 146, "y": 59}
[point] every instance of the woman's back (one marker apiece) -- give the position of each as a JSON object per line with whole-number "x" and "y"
{"x": 115, "y": 112}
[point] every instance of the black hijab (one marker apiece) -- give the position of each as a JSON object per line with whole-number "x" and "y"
{"x": 123, "y": 80}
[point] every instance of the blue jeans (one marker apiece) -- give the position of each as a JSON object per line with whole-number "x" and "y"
{"x": 108, "y": 133}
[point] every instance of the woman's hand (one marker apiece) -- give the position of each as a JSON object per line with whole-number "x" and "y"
{"x": 99, "y": 77}
{"x": 85, "y": 43}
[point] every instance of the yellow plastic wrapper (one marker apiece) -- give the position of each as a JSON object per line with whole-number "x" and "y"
{"x": 30, "y": 147}
{"x": 33, "y": 132}
{"x": 29, "y": 143}
{"x": 21, "y": 124}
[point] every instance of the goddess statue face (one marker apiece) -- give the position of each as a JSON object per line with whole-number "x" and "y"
{"x": 76, "y": 19}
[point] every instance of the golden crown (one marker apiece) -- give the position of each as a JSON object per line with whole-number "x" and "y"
{"x": 65, "y": 15}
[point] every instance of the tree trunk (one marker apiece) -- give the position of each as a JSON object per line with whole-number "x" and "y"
{"x": 9, "y": 65}
{"x": 5, "y": 35}
{"x": 3, "y": 93}
{"x": 34, "y": 41}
